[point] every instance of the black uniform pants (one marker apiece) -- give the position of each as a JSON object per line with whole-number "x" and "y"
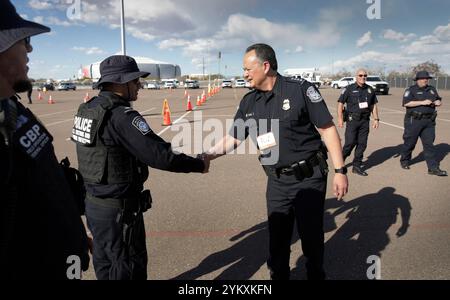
{"x": 426, "y": 130}
{"x": 290, "y": 200}
{"x": 356, "y": 135}
{"x": 112, "y": 259}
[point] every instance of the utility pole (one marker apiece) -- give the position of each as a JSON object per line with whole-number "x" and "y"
{"x": 122, "y": 21}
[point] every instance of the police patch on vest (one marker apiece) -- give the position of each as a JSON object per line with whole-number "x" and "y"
{"x": 32, "y": 137}
{"x": 82, "y": 131}
{"x": 141, "y": 125}
{"x": 313, "y": 95}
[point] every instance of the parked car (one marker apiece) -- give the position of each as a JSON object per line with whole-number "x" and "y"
{"x": 378, "y": 85}
{"x": 153, "y": 85}
{"x": 170, "y": 84}
{"x": 342, "y": 83}
{"x": 65, "y": 86}
{"x": 226, "y": 83}
{"x": 239, "y": 83}
{"x": 191, "y": 84}
{"x": 47, "y": 86}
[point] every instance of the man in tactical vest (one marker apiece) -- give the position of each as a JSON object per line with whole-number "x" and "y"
{"x": 41, "y": 232}
{"x": 114, "y": 147}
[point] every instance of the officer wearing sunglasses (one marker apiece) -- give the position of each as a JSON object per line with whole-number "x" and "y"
{"x": 356, "y": 103}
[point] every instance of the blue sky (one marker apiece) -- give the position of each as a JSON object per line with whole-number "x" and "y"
{"x": 329, "y": 35}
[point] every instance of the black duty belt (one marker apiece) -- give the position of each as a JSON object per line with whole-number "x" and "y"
{"x": 358, "y": 116}
{"x": 419, "y": 115}
{"x": 302, "y": 169}
{"x": 141, "y": 203}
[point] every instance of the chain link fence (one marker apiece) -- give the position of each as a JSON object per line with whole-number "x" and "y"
{"x": 441, "y": 83}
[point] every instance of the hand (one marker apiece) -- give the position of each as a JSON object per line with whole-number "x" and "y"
{"x": 376, "y": 124}
{"x": 206, "y": 160}
{"x": 427, "y": 102}
{"x": 340, "y": 185}
{"x": 340, "y": 123}
{"x": 90, "y": 242}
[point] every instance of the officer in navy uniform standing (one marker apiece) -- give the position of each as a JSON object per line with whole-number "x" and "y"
{"x": 114, "y": 147}
{"x": 360, "y": 101}
{"x": 41, "y": 232}
{"x": 421, "y": 101}
{"x": 293, "y": 157}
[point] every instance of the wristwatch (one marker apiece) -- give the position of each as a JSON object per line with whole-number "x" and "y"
{"x": 342, "y": 170}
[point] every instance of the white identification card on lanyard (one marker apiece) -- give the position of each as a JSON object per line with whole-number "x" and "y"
{"x": 363, "y": 105}
{"x": 266, "y": 141}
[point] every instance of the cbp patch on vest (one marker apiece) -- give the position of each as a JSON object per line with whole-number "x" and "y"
{"x": 313, "y": 95}
{"x": 141, "y": 125}
{"x": 286, "y": 104}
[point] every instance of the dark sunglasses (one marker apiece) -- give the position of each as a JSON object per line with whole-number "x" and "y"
{"x": 360, "y": 75}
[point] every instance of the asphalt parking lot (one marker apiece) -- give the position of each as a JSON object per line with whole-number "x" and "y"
{"x": 214, "y": 226}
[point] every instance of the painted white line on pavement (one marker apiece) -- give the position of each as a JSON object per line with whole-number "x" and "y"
{"x": 56, "y": 113}
{"x": 59, "y": 122}
{"x": 175, "y": 122}
{"x": 143, "y": 112}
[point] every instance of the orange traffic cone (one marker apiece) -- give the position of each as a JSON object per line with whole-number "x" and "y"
{"x": 40, "y": 96}
{"x": 166, "y": 120}
{"x": 50, "y": 100}
{"x": 199, "y": 102}
{"x": 203, "y": 98}
{"x": 86, "y": 98}
{"x": 189, "y": 104}
{"x": 165, "y": 107}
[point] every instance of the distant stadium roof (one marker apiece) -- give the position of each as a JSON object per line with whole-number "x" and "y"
{"x": 158, "y": 69}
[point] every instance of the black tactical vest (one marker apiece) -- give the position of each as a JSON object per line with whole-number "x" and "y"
{"x": 97, "y": 162}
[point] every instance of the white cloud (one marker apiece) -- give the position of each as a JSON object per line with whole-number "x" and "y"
{"x": 436, "y": 43}
{"x": 39, "y": 4}
{"x": 397, "y": 36}
{"x": 364, "y": 40}
{"x": 89, "y": 51}
{"x": 51, "y": 20}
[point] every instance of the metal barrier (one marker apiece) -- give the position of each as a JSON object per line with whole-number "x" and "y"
{"x": 441, "y": 83}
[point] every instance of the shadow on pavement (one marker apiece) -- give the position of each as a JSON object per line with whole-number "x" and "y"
{"x": 442, "y": 150}
{"x": 380, "y": 156}
{"x": 365, "y": 233}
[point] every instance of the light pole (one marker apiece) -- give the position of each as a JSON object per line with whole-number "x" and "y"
{"x": 122, "y": 21}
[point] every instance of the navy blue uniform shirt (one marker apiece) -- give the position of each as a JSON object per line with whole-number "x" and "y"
{"x": 126, "y": 127}
{"x": 354, "y": 94}
{"x": 298, "y": 106}
{"x": 416, "y": 93}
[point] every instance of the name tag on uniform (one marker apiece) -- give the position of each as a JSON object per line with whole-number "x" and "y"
{"x": 266, "y": 141}
{"x": 363, "y": 105}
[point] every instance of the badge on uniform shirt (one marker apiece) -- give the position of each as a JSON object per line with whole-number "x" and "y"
{"x": 313, "y": 95}
{"x": 141, "y": 125}
{"x": 363, "y": 105}
{"x": 266, "y": 141}
{"x": 286, "y": 104}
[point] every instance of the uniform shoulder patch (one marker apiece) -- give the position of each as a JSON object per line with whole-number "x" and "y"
{"x": 407, "y": 93}
{"x": 128, "y": 110}
{"x": 314, "y": 95}
{"x": 140, "y": 124}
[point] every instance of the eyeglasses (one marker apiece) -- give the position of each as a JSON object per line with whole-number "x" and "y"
{"x": 361, "y": 75}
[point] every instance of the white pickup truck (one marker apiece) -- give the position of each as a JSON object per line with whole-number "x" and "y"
{"x": 342, "y": 83}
